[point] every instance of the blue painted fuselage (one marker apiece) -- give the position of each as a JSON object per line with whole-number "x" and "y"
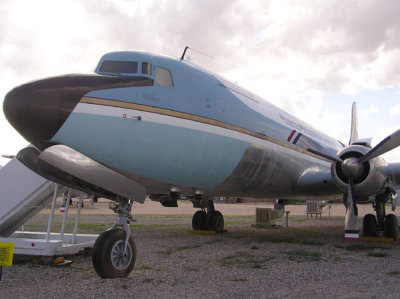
{"x": 192, "y": 130}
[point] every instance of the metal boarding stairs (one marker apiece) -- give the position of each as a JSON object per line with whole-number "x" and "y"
{"x": 23, "y": 194}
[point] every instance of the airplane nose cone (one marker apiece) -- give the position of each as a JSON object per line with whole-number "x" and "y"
{"x": 38, "y": 109}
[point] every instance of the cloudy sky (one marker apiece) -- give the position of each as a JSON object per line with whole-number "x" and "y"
{"x": 312, "y": 58}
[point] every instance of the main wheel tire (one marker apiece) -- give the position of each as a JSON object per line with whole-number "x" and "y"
{"x": 199, "y": 220}
{"x": 390, "y": 227}
{"x": 370, "y": 226}
{"x": 215, "y": 222}
{"x": 107, "y": 256}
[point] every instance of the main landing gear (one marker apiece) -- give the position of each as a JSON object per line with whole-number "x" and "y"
{"x": 382, "y": 224}
{"x": 211, "y": 220}
{"x": 114, "y": 252}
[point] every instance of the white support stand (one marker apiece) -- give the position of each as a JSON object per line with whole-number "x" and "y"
{"x": 53, "y": 205}
{"x": 351, "y": 225}
{"x": 52, "y": 244}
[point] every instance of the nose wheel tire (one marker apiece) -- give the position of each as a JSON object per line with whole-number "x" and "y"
{"x": 370, "y": 226}
{"x": 390, "y": 227}
{"x": 109, "y": 259}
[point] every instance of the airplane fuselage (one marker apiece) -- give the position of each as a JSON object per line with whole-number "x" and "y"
{"x": 185, "y": 128}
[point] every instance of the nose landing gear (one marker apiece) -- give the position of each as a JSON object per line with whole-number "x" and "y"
{"x": 114, "y": 252}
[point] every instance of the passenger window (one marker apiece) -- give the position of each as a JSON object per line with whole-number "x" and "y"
{"x": 146, "y": 68}
{"x": 163, "y": 77}
{"x": 119, "y": 67}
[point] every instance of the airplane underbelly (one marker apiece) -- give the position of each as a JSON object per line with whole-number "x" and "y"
{"x": 152, "y": 146}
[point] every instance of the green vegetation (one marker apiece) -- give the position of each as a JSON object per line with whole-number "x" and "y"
{"x": 192, "y": 270}
{"x": 165, "y": 252}
{"x": 98, "y": 227}
{"x": 394, "y": 274}
{"x": 285, "y": 238}
{"x": 360, "y": 247}
{"x": 188, "y": 247}
{"x": 148, "y": 280}
{"x": 378, "y": 254}
{"x": 371, "y": 250}
{"x": 245, "y": 260}
{"x": 239, "y": 220}
{"x": 156, "y": 225}
{"x": 81, "y": 269}
{"x": 172, "y": 216}
{"x": 297, "y": 219}
{"x": 170, "y": 251}
{"x": 239, "y": 280}
{"x": 144, "y": 267}
{"x": 302, "y": 256}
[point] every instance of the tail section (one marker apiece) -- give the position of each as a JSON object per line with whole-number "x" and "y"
{"x": 354, "y": 124}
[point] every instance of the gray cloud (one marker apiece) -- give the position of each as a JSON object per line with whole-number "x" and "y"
{"x": 227, "y": 30}
{"x": 334, "y": 38}
{"x": 292, "y": 52}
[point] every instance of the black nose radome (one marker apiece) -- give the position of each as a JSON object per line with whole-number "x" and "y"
{"x": 38, "y": 109}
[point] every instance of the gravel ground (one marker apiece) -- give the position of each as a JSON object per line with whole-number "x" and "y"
{"x": 307, "y": 259}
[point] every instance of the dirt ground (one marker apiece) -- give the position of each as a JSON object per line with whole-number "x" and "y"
{"x": 309, "y": 259}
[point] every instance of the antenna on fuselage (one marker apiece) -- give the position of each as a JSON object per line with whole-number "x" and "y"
{"x": 184, "y": 53}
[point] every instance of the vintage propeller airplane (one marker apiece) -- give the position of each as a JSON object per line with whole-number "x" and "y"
{"x": 148, "y": 125}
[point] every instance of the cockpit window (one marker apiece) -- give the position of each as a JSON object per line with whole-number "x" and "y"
{"x": 119, "y": 67}
{"x": 146, "y": 68}
{"x": 163, "y": 77}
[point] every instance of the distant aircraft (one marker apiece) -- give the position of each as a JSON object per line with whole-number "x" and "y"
{"x": 149, "y": 125}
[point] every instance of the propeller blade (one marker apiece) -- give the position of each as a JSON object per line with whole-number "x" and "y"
{"x": 350, "y": 199}
{"x": 332, "y": 158}
{"x": 387, "y": 144}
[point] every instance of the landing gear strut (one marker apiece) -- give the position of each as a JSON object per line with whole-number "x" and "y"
{"x": 114, "y": 252}
{"x": 381, "y": 224}
{"x": 210, "y": 220}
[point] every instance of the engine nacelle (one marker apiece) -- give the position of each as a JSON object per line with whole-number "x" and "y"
{"x": 369, "y": 177}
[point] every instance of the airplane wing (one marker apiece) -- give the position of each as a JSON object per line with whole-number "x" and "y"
{"x": 318, "y": 183}
{"x": 63, "y": 164}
